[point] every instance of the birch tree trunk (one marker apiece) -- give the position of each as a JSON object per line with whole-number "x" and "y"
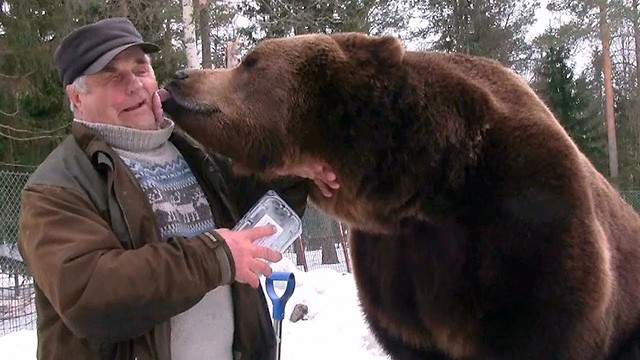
{"x": 635, "y": 20}
{"x": 123, "y": 8}
{"x": 636, "y": 36}
{"x": 190, "y": 34}
{"x": 605, "y": 37}
{"x": 205, "y": 34}
{"x": 329, "y": 252}
{"x": 232, "y": 52}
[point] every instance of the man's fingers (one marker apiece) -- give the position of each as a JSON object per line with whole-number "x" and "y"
{"x": 258, "y": 232}
{"x": 268, "y": 254}
{"x": 323, "y": 187}
{"x": 260, "y": 267}
{"x": 333, "y": 184}
{"x": 328, "y": 175}
{"x": 326, "y": 179}
{"x": 332, "y": 180}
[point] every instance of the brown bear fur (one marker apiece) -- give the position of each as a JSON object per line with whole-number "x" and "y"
{"x": 480, "y": 231}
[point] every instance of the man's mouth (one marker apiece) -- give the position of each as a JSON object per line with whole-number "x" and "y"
{"x": 135, "y": 107}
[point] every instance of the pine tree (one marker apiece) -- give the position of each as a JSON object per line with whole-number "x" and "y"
{"x": 34, "y": 115}
{"x": 570, "y": 100}
{"x": 280, "y": 18}
{"x": 494, "y": 29}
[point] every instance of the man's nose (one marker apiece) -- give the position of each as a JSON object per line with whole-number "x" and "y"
{"x": 181, "y": 75}
{"x": 134, "y": 84}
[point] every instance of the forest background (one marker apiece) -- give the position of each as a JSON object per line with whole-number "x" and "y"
{"x": 581, "y": 57}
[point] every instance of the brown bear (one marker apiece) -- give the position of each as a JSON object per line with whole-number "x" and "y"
{"x": 480, "y": 231}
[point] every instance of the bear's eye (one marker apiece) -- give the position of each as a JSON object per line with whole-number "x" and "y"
{"x": 249, "y": 61}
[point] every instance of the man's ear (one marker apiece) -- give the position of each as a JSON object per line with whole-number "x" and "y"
{"x": 74, "y": 95}
{"x": 370, "y": 52}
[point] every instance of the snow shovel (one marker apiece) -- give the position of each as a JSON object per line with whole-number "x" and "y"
{"x": 279, "y": 302}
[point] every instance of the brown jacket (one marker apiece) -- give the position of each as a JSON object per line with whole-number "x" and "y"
{"x": 106, "y": 284}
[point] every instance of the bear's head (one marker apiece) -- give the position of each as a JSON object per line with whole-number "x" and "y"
{"x": 291, "y": 100}
{"x": 284, "y": 101}
{"x": 390, "y": 123}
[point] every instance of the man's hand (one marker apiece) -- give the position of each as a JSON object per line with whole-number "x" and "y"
{"x": 325, "y": 178}
{"x": 320, "y": 172}
{"x": 247, "y": 256}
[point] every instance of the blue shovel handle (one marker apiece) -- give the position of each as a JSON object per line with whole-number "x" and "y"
{"x": 279, "y": 302}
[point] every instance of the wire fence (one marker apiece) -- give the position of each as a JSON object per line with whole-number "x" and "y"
{"x": 17, "y": 309}
{"x": 321, "y": 245}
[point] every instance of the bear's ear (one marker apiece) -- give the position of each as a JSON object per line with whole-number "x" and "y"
{"x": 370, "y": 52}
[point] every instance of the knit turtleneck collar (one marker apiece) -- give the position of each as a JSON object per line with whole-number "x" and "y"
{"x": 129, "y": 139}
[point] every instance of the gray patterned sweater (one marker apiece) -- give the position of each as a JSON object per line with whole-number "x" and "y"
{"x": 204, "y": 331}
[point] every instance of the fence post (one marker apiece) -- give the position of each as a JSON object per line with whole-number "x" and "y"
{"x": 300, "y": 255}
{"x": 16, "y": 281}
{"x": 344, "y": 247}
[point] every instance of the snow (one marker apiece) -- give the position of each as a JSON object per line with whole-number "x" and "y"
{"x": 10, "y": 252}
{"x": 16, "y": 303}
{"x": 19, "y": 345}
{"x": 334, "y": 327}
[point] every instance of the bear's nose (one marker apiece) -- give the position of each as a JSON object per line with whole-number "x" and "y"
{"x": 181, "y": 75}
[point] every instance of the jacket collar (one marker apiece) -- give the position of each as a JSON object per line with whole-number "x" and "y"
{"x": 89, "y": 141}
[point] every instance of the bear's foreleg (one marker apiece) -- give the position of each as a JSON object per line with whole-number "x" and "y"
{"x": 398, "y": 350}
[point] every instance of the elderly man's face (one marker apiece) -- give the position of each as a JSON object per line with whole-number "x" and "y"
{"x": 121, "y": 94}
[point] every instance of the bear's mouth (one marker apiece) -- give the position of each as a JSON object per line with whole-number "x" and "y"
{"x": 173, "y": 101}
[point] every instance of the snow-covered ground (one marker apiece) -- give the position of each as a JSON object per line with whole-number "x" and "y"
{"x": 17, "y": 308}
{"x": 333, "y": 329}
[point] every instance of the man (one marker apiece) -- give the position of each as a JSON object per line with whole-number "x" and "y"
{"x": 117, "y": 224}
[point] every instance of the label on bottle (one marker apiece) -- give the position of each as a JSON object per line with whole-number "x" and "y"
{"x": 269, "y": 240}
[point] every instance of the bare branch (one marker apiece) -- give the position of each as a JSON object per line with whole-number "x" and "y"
{"x": 35, "y": 131}
{"x": 18, "y": 165}
{"x": 16, "y": 76}
{"x": 32, "y": 137}
{"x": 9, "y": 114}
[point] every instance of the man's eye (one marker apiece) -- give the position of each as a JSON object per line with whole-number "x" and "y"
{"x": 116, "y": 78}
